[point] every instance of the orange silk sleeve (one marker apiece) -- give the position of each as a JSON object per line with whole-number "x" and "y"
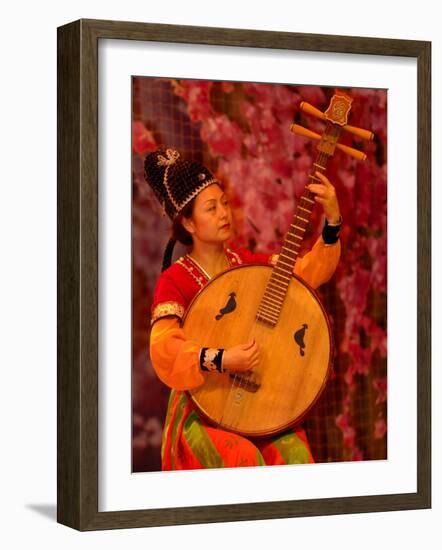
{"x": 174, "y": 358}
{"x": 319, "y": 264}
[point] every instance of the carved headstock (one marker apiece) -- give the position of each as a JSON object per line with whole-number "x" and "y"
{"x": 339, "y": 109}
{"x": 336, "y": 116}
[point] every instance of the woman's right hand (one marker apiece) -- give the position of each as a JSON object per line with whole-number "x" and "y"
{"x": 242, "y": 357}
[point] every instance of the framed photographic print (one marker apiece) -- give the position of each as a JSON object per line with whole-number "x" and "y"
{"x": 311, "y": 149}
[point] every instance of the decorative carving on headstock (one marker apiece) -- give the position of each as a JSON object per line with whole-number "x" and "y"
{"x": 339, "y": 109}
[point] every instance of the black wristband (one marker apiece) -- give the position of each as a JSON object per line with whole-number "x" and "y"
{"x": 211, "y": 359}
{"x": 330, "y": 233}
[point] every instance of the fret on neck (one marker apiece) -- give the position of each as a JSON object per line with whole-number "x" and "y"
{"x": 277, "y": 286}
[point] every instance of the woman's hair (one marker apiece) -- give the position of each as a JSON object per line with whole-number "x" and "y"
{"x": 176, "y": 182}
{"x": 179, "y": 234}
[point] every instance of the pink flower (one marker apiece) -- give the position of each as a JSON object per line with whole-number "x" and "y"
{"x": 142, "y": 139}
{"x": 349, "y": 375}
{"x": 228, "y": 87}
{"x": 349, "y": 437}
{"x": 223, "y": 136}
{"x": 199, "y": 101}
{"x": 312, "y": 94}
{"x": 137, "y": 420}
{"x": 380, "y": 428}
{"x": 153, "y": 431}
{"x": 343, "y": 421}
{"x": 282, "y": 166}
{"x": 303, "y": 164}
{"x": 357, "y": 454}
{"x": 139, "y": 441}
{"x": 380, "y": 384}
{"x": 197, "y": 95}
{"x": 347, "y": 178}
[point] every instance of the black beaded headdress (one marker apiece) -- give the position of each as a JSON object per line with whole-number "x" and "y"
{"x": 175, "y": 183}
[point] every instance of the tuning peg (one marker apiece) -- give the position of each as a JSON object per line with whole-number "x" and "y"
{"x": 360, "y": 132}
{"x": 301, "y": 131}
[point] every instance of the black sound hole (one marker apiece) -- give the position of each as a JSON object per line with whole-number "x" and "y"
{"x": 228, "y": 308}
{"x": 299, "y": 338}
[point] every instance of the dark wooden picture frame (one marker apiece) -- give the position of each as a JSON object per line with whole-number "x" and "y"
{"x": 77, "y": 309}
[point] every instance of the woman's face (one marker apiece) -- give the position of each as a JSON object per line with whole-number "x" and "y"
{"x": 211, "y": 220}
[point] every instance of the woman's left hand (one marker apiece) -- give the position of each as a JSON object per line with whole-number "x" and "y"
{"x": 325, "y": 194}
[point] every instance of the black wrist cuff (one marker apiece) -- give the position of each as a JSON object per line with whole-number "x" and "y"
{"x": 330, "y": 233}
{"x": 211, "y": 359}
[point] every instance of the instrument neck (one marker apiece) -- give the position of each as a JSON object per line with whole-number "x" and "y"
{"x": 276, "y": 290}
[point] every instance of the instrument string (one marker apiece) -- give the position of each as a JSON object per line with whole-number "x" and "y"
{"x": 234, "y": 387}
{"x": 271, "y": 405}
{"x": 235, "y": 407}
{"x": 239, "y": 380}
{"x": 321, "y": 160}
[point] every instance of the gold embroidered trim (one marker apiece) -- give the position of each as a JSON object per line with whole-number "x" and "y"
{"x": 167, "y": 308}
{"x": 198, "y": 267}
{"x": 235, "y": 255}
{"x": 191, "y": 270}
{"x": 172, "y": 156}
{"x": 198, "y": 190}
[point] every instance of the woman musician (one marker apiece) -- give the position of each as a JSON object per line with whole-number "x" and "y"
{"x": 201, "y": 217}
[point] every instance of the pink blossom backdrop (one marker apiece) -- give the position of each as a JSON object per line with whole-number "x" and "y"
{"x": 241, "y": 132}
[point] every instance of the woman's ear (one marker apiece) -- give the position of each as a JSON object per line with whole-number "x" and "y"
{"x": 188, "y": 225}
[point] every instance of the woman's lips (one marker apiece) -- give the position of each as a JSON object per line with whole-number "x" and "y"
{"x": 226, "y": 226}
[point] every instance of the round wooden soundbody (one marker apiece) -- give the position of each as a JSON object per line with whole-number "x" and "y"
{"x": 295, "y": 355}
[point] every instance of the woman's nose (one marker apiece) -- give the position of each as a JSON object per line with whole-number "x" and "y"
{"x": 223, "y": 211}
